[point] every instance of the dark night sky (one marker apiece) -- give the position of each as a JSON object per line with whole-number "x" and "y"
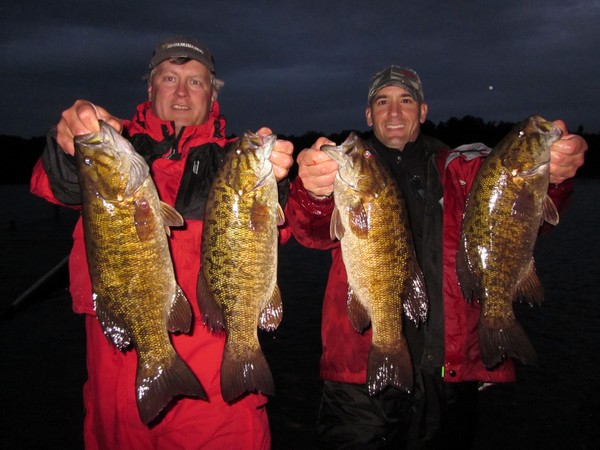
{"x": 299, "y": 66}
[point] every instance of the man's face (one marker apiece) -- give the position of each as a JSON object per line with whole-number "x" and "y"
{"x": 395, "y": 116}
{"x": 181, "y": 93}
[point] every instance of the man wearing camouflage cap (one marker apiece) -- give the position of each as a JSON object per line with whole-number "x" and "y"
{"x": 441, "y": 411}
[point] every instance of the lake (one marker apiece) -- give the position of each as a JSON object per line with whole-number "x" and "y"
{"x": 553, "y": 406}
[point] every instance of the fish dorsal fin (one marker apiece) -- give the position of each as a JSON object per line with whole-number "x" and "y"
{"x": 180, "y": 315}
{"x": 357, "y": 313}
{"x": 550, "y": 213}
{"x": 271, "y": 314}
{"x": 336, "y": 228}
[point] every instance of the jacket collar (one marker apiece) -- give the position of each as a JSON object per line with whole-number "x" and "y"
{"x": 145, "y": 121}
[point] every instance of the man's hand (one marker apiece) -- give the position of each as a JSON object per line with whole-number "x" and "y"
{"x": 81, "y": 118}
{"x": 566, "y": 155}
{"x": 282, "y": 155}
{"x": 316, "y": 169}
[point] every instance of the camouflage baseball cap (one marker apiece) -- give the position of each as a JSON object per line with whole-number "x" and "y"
{"x": 404, "y": 77}
{"x": 182, "y": 46}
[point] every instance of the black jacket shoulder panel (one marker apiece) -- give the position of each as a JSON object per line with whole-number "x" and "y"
{"x": 61, "y": 171}
{"x": 201, "y": 167}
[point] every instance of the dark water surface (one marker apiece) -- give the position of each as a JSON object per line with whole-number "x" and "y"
{"x": 553, "y": 406}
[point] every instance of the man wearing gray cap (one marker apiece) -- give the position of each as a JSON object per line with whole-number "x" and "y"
{"x": 441, "y": 411}
{"x": 181, "y": 134}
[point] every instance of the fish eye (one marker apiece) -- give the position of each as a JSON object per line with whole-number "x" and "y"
{"x": 87, "y": 161}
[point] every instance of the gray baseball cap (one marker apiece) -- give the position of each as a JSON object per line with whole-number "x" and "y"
{"x": 405, "y": 77}
{"x": 185, "y": 47}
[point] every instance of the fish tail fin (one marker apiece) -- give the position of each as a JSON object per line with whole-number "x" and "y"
{"x": 389, "y": 366}
{"x": 502, "y": 340}
{"x": 248, "y": 374}
{"x": 157, "y": 386}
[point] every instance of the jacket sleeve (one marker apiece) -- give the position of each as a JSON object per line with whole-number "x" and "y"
{"x": 561, "y": 194}
{"x": 54, "y": 177}
{"x": 309, "y": 218}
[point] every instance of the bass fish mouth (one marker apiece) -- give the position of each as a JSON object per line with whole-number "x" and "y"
{"x": 339, "y": 153}
{"x": 103, "y": 136}
{"x": 545, "y": 126}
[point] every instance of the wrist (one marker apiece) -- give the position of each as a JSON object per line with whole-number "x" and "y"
{"x": 319, "y": 197}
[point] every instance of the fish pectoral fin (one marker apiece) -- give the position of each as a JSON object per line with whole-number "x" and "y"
{"x": 260, "y": 213}
{"x": 212, "y": 314}
{"x": 114, "y": 329}
{"x": 280, "y": 215}
{"x": 180, "y": 315}
{"x": 359, "y": 221}
{"x": 336, "y": 229}
{"x": 271, "y": 314}
{"x": 144, "y": 220}
{"x": 549, "y": 212}
{"x": 170, "y": 216}
{"x": 530, "y": 288}
{"x": 357, "y": 313}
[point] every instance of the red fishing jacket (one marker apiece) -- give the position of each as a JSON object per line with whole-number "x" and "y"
{"x": 448, "y": 343}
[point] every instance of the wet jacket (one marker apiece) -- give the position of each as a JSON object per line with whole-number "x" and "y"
{"x": 431, "y": 175}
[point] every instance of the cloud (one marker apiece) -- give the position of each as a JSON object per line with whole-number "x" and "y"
{"x": 299, "y": 66}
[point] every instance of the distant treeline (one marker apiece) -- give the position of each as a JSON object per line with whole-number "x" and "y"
{"x": 16, "y": 169}
{"x": 469, "y": 129}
